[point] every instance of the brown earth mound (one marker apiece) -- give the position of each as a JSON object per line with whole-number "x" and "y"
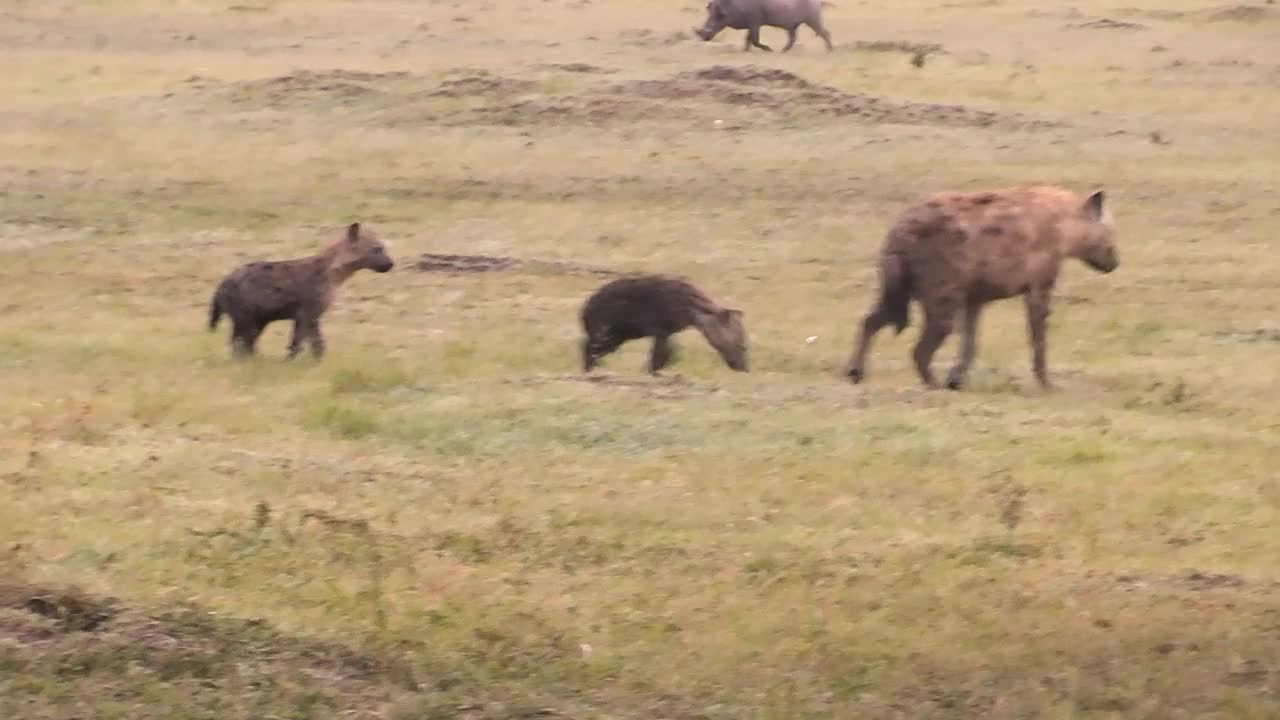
{"x": 1107, "y": 24}
{"x": 342, "y": 87}
{"x": 467, "y": 264}
{"x": 1241, "y": 13}
{"x": 758, "y": 96}
{"x": 481, "y": 85}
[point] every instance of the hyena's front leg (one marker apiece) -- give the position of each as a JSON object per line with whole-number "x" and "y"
{"x": 660, "y": 354}
{"x": 317, "y": 340}
{"x": 596, "y": 345}
{"x": 958, "y": 377}
{"x": 295, "y": 339}
{"x": 306, "y": 328}
{"x": 1037, "y": 301}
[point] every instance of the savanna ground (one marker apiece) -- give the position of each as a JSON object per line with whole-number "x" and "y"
{"x": 443, "y": 519}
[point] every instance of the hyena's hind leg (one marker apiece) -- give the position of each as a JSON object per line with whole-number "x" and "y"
{"x": 939, "y": 318}
{"x": 244, "y": 337}
{"x": 874, "y": 322}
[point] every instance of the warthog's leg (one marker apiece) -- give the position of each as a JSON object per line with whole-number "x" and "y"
{"x": 959, "y": 375}
{"x": 244, "y": 337}
{"x": 1037, "y": 301}
{"x": 939, "y": 316}
{"x": 791, "y": 37}
{"x": 661, "y": 353}
{"x": 871, "y": 324}
{"x": 816, "y": 25}
{"x": 753, "y": 38}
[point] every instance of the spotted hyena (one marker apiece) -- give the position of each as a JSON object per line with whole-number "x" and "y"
{"x": 300, "y": 290}
{"x": 956, "y": 251}
{"x": 658, "y": 306}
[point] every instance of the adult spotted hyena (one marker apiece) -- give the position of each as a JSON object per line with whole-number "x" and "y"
{"x": 300, "y": 290}
{"x": 658, "y": 306}
{"x": 956, "y": 251}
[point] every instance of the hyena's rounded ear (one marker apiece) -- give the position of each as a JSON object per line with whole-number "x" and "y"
{"x": 353, "y": 232}
{"x": 1093, "y": 205}
{"x": 728, "y": 313}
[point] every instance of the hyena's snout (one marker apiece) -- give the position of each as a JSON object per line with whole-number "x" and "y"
{"x": 1105, "y": 260}
{"x": 383, "y": 264}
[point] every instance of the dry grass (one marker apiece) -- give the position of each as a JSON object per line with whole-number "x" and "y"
{"x": 443, "y": 519}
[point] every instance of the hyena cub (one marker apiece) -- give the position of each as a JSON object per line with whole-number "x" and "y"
{"x": 300, "y": 290}
{"x": 955, "y": 252}
{"x": 658, "y": 306}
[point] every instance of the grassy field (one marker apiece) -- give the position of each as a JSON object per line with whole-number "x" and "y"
{"x": 444, "y": 519}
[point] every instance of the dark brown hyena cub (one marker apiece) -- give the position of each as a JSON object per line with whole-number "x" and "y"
{"x": 658, "y": 306}
{"x": 300, "y": 290}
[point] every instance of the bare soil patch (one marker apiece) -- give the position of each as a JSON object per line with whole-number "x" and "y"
{"x": 76, "y": 638}
{"x": 745, "y": 95}
{"x": 469, "y": 264}
{"x": 1241, "y": 13}
{"x": 578, "y": 67}
{"x": 303, "y": 88}
{"x": 1106, "y": 24}
{"x": 482, "y": 85}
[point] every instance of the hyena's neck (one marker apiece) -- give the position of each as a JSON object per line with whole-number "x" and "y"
{"x": 335, "y": 266}
{"x": 338, "y": 274}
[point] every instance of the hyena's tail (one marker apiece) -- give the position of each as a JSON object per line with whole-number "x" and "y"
{"x": 895, "y": 291}
{"x": 215, "y": 312}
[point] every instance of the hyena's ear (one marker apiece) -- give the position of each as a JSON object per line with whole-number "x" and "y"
{"x": 1093, "y": 206}
{"x": 353, "y": 233}
{"x": 727, "y": 314}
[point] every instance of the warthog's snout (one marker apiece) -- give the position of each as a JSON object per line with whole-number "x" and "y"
{"x": 703, "y": 33}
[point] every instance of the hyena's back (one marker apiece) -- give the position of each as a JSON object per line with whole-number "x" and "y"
{"x": 645, "y": 305}
{"x": 992, "y": 244}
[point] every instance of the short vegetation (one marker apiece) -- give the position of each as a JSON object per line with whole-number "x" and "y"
{"x": 445, "y": 518}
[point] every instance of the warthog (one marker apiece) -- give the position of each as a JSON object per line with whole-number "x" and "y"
{"x": 956, "y": 251}
{"x": 751, "y": 15}
{"x": 658, "y": 306}
{"x": 300, "y": 290}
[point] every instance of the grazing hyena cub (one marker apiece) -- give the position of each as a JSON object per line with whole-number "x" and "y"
{"x": 300, "y": 290}
{"x": 658, "y": 306}
{"x": 955, "y": 251}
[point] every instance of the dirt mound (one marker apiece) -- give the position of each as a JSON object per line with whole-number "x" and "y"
{"x": 467, "y": 264}
{"x": 1106, "y": 24}
{"x": 70, "y": 609}
{"x": 787, "y": 96}
{"x": 654, "y": 38}
{"x": 431, "y": 262}
{"x": 481, "y": 85}
{"x": 128, "y": 653}
{"x": 747, "y": 75}
{"x": 577, "y": 67}
{"x": 1241, "y": 13}
{"x": 343, "y": 87}
{"x": 902, "y": 46}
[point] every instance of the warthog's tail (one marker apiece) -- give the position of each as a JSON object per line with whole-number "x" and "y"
{"x": 215, "y": 312}
{"x": 895, "y": 291}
